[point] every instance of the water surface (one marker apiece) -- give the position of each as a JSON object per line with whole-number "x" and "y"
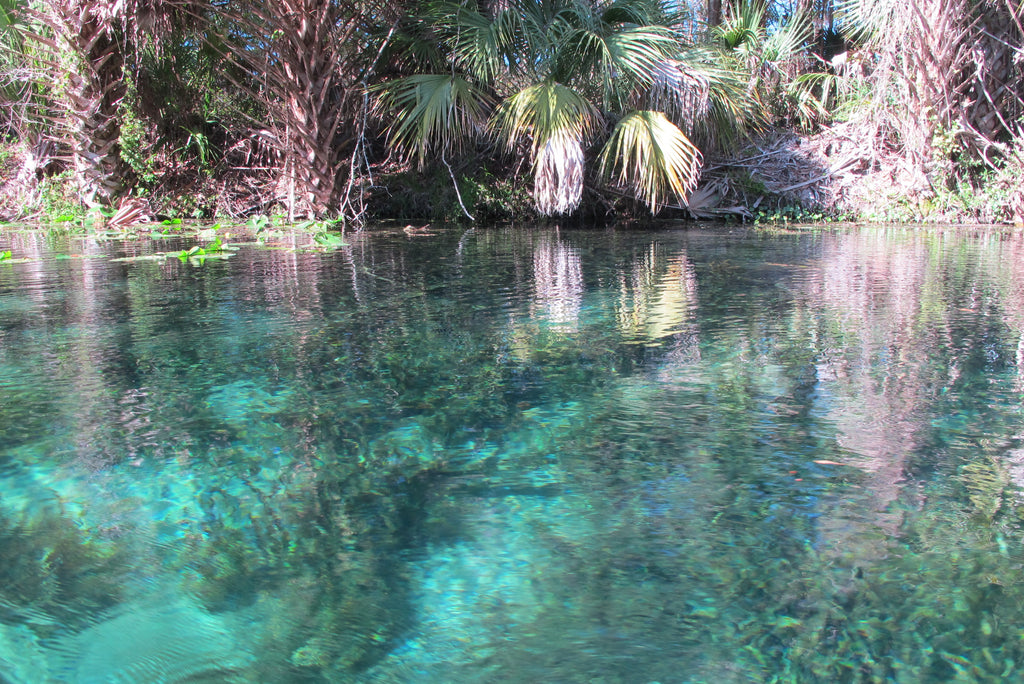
{"x": 515, "y": 455}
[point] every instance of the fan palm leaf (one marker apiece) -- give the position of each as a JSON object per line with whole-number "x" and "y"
{"x": 558, "y": 119}
{"x": 733, "y": 108}
{"x": 638, "y": 12}
{"x": 789, "y": 40}
{"x": 744, "y": 29}
{"x": 544, "y": 111}
{"x": 433, "y": 112}
{"x": 619, "y": 59}
{"x": 482, "y": 45}
{"x": 681, "y": 93}
{"x": 649, "y": 154}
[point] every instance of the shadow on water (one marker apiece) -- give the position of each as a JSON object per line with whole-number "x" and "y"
{"x": 515, "y": 455}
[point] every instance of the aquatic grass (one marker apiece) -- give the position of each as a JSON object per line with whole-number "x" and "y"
{"x": 486, "y": 453}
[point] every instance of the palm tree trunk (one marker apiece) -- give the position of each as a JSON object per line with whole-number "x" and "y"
{"x": 94, "y": 63}
{"x": 312, "y": 94}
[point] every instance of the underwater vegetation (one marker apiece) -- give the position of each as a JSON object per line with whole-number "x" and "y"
{"x": 516, "y": 455}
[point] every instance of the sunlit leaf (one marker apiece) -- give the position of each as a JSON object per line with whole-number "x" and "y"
{"x": 649, "y": 154}
{"x": 545, "y": 111}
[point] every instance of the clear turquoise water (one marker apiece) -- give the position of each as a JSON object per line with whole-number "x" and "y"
{"x": 515, "y": 456}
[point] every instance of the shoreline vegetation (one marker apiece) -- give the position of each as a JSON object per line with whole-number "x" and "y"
{"x": 344, "y": 113}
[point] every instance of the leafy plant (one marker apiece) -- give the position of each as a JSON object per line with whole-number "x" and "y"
{"x": 329, "y": 240}
{"x": 257, "y": 223}
{"x": 198, "y": 145}
{"x": 58, "y": 199}
{"x": 136, "y": 149}
{"x": 555, "y": 78}
{"x": 197, "y": 254}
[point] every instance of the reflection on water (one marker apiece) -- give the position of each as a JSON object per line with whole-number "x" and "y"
{"x": 558, "y": 283}
{"x": 657, "y": 296}
{"x": 515, "y": 455}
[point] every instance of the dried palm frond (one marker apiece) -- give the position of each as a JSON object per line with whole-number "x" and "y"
{"x": 682, "y": 94}
{"x": 706, "y": 201}
{"x": 558, "y": 176}
{"x": 131, "y": 211}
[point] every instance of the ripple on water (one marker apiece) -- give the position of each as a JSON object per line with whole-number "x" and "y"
{"x": 522, "y": 455}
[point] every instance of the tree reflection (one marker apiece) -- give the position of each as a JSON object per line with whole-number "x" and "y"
{"x": 657, "y": 295}
{"x": 881, "y": 302}
{"x": 558, "y": 283}
{"x": 791, "y": 443}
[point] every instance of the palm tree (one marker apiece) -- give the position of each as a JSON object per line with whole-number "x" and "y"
{"x": 14, "y": 66}
{"x": 946, "y": 73}
{"x": 310, "y": 61}
{"x": 88, "y": 51}
{"x": 775, "y": 60}
{"x": 564, "y": 77}
{"x": 87, "y": 44}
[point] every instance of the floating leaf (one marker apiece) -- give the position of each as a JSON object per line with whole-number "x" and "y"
{"x": 329, "y": 241}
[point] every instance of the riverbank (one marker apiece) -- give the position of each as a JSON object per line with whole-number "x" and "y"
{"x": 852, "y": 171}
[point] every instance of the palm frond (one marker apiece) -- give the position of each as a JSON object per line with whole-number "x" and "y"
{"x": 635, "y": 52}
{"x": 869, "y": 21}
{"x": 416, "y": 49}
{"x": 433, "y": 112}
{"x": 744, "y": 29}
{"x": 558, "y": 119}
{"x": 484, "y": 46}
{"x": 733, "y": 108}
{"x": 812, "y": 95}
{"x": 681, "y": 93}
{"x": 542, "y": 112}
{"x": 647, "y": 153}
{"x": 620, "y": 60}
{"x": 789, "y": 40}
{"x": 637, "y": 12}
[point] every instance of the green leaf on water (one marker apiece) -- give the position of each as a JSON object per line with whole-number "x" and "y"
{"x": 329, "y": 241}
{"x": 257, "y": 223}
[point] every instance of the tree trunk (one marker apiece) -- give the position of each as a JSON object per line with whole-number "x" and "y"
{"x": 313, "y": 97}
{"x": 713, "y": 12}
{"x": 95, "y": 87}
